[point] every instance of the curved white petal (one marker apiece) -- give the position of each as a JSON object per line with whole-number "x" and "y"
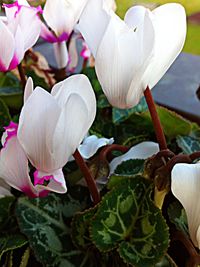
{"x": 76, "y": 84}
{"x": 143, "y": 150}
{"x": 73, "y": 53}
{"x": 56, "y": 182}
{"x": 7, "y": 47}
{"x": 121, "y": 59}
{"x": 72, "y": 126}
{"x": 134, "y": 17}
{"x": 61, "y": 15}
{"x": 30, "y": 25}
{"x": 14, "y": 167}
{"x": 28, "y": 90}
{"x": 61, "y": 54}
{"x": 170, "y": 31}
{"x": 110, "y": 5}
{"x": 37, "y": 123}
{"x": 19, "y": 47}
{"x": 93, "y": 23}
{"x": 185, "y": 187}
{"x": 91, "y": 144}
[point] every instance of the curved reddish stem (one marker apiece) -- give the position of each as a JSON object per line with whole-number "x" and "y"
{"x": 155, "y": 119}
{"x": 88, "y": 177}
{"x": 22, "y": 75}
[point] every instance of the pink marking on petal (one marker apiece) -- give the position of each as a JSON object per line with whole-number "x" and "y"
{"x": 85, "y": 53}
{"x": 28, "y": 191}
{"x": 11, "y": 131}
{"x": 51, "y": 38}
{"x": 40, "y": 180}
{"x": 37, "y": 9}
{"x": 44, "y": 193}
{"x": 2, "y": 67}
{"x": 14, "y": 63}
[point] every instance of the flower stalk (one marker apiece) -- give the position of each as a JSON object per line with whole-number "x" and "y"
{"x": 22, "y": 75}
{"x": 155, "y": 119}
{"x": 88, "y": 177}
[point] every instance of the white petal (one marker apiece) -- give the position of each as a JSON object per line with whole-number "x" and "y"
{"x": 28, "y": 90}
{"x": 91, "y": 144}
{"x": 121, "y": 59}
{"x": 143, "y": 150}
{"x": 61, "y": 54}
{"x": 110, "y": 5}
{"x": 56, "y": 182}
{"x": 73, "y": 53}
{"x": 30, "y": 25}
{"x": 93, "y": 23}
{"x": 14, "y": 167}
{"x": 60, "y": 16}
{"x": 135, "y": 16}
{"x": 37, "y": 123}
{"x": 76, "y": 84}
{"x": 71, "y": 128}
{"x": 170, "y": 31}
{"x": 6, "y": 47}
{"x": 19, "y": 48}
{"x": 186, "y": 186}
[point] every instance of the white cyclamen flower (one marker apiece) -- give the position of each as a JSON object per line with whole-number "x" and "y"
{"x": 133, "y": 53}
{"x": 142, "y": 150}
{"x": 51, "y": 127}
{"x": 19, "y": 31}
{"x": 185, "y": 186}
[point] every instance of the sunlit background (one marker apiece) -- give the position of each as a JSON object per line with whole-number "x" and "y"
{"x": 192, "y": 8}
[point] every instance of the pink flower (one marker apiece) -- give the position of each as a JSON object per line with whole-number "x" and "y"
{"x": 19, "y": 31}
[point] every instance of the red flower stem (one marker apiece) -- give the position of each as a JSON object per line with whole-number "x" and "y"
{"x": 155, "y": 119}
{"x": 22, "y": 75}
{"x": 88, "y": 177}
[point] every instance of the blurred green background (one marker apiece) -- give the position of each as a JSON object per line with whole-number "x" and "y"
{"x": 192, "y": 44}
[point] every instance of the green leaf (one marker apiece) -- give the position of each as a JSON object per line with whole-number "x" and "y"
{"x": 91, "y": 74}
{"x": 38, "y": 81}
{"x": 4, "y": 115}
{"x": 43, "y": 221}
{"x": 178, "y": 217}
{"x": 12, "y": 96}
{"x": 25, "y": 258}
{"x": 120, "y": 115}
{"x": 10, "y": 90}
{"x": 166, "y": 262}
{"x": 5, "y": 207}
{"x": 172, "y": 123}
{"x": 11, "y": 242}
{"x": 128, "y": 219}
{"x": 80, "y": 228}
{"x": 130, "y": 167}
{"x": 102, "y": 102}
{"x": 188, "y": 144}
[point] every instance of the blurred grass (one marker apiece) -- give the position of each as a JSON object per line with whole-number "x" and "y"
{"x": 192, "y": 44}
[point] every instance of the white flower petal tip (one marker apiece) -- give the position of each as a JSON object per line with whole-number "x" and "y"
{"x": 185, "y": 185}
{"x": 61, "y": 16}
{"x": 10, "y": 131}
{"x": 143, "y": 150}
{"x": 20, "y": 30}
{"x": 55, "y": 181}
{"x": 48, "y": 144}
{"x": 91, "y": 144}
{"x": 137, "y": 51}
{"x": 28, "y": 89}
